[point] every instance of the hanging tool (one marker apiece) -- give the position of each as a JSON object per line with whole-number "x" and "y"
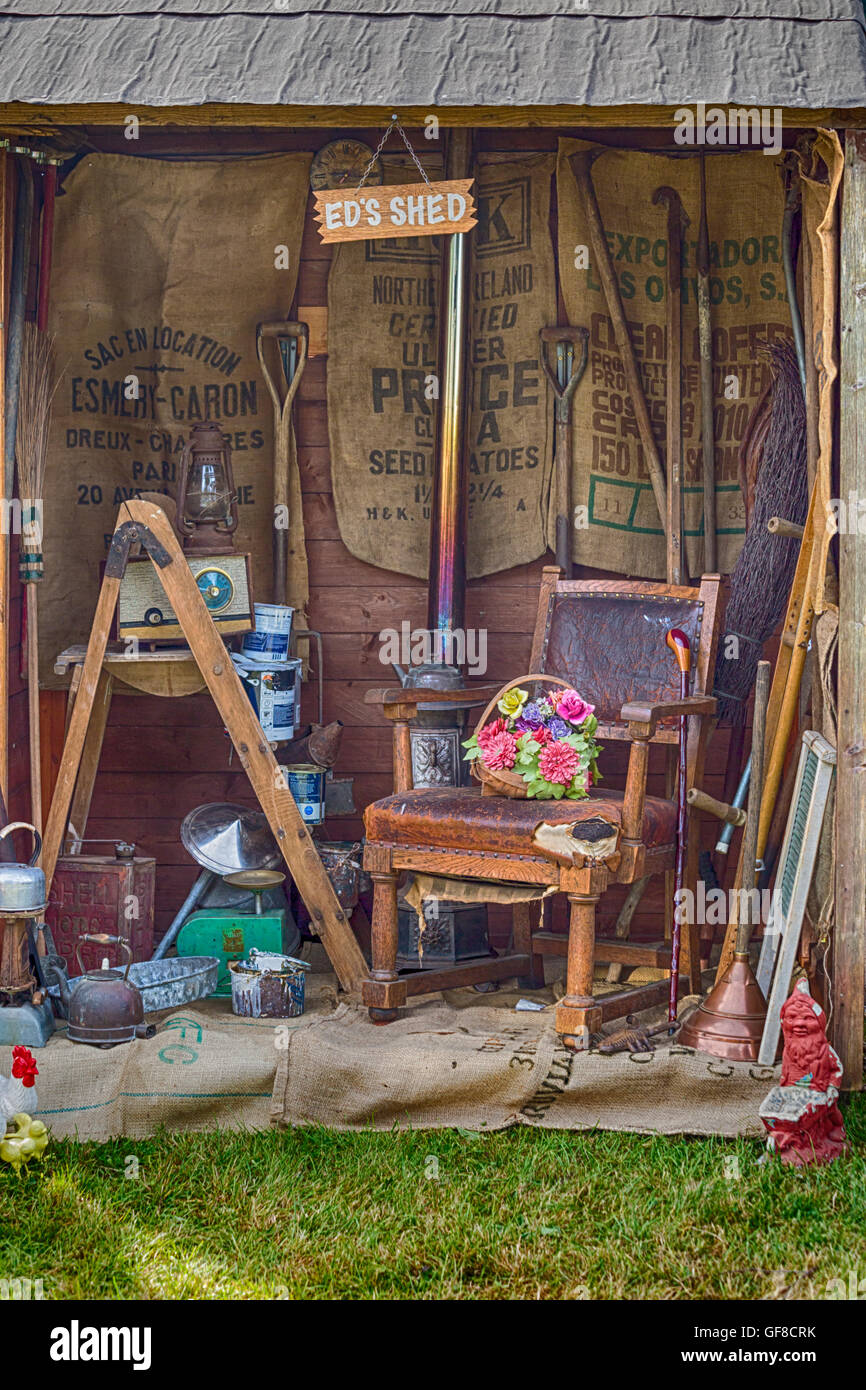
{"x": 791, "y": 177}
{"x": 292, "y": 340}
{"x": 572, "y": 346}
{"x": 677, "y": 572}
{"x": 730, "y": 1021}
{"x": 17, "y": 302}
{"x": 679, "y": 645}
{"x": 581, "y": 164}
{"x": 37, "y": 385}
{"x": 705, "y": 342}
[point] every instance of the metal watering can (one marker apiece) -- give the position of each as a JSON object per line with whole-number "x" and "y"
{"x": 103, "y": 1007}
{"x": 22, "y": 886}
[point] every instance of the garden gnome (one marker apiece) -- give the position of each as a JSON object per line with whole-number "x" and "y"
{"x": 801, "y": 1114}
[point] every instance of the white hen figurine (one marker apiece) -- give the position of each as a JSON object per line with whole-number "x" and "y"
{"x": 18, "y": 1092}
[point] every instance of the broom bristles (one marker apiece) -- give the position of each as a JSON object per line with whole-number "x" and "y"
{"x": 762, "y": 577}
{"x": 37, "y": 385}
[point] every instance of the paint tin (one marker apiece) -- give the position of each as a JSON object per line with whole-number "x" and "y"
{"x": 275, "y": 695}
{"x": 268, "y": 644}
{"x": 306, "y": 782}
{"x": 268, "y": 985}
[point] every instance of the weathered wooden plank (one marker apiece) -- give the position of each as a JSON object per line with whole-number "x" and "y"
{"x": 20, "y": 117}
{"x": 847, "y": 951}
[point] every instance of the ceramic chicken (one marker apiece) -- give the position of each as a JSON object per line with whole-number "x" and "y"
{"x": 18, "y": 1093}
{"x": 27, "y": 1140}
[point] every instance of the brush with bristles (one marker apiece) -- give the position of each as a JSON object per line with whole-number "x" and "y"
{"x": 37, "y": 385}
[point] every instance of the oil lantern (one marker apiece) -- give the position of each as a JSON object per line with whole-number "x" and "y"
{"x": 207, "y": 509}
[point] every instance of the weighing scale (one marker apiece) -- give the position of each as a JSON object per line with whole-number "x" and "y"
{"x": 231, "y": 935}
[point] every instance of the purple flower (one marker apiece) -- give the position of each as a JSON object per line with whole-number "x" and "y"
{"x": 531, "y": 718}
{"x": 559, "y": 728}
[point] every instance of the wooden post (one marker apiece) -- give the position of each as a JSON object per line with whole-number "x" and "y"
{"x": 847, "y": 942}
{"x": 4, "y": 529}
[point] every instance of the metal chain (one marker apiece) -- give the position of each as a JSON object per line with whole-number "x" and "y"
{"x": 395, "y": 125}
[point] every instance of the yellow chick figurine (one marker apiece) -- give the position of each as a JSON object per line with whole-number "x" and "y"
{"x": 29, "y": 1139}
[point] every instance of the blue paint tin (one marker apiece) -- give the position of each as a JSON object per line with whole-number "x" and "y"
{"x": 275, "y": 695}
{"x": 306, "y": 782}
{"x": 270, "y": 641}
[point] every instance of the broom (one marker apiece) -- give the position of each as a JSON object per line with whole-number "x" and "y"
{"x": 38, "y": 383}
{"x": 761, "y": 579}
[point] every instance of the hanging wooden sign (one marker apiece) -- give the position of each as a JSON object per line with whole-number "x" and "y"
{"x": 401, "y": 209}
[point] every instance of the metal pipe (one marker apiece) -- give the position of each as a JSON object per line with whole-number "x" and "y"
{"x": 723, "y": 843}
{"x": 193, "y": 897}
{"x": 446, "y": 594}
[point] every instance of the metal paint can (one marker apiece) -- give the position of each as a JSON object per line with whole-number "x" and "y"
{"x": 342, "y": 860}
{"x": 269, "y": 642}
{"x": 275, "y": 695}
{"x": 306, "y": 782}
{"x": 272, "y": 987}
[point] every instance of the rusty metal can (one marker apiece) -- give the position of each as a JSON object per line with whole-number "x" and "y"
{"x": 268, "y": 986}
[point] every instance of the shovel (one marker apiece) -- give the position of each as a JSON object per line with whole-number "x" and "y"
{"x": 571, "y": 352}
{"x": 292, "y": 340}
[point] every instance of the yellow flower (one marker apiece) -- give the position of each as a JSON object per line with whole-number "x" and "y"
{"x": 512, "y": 703}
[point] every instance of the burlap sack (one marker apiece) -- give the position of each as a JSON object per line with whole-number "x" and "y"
{"x": 382, "y": 380}
{"x": 747, "y": 289}
{"x": 487, "y": 1067}
{"x": 161, "y": 272}
{"x": 204, "y": 1069}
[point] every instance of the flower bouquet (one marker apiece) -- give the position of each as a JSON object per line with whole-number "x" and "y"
{"x": 541, "y": 748}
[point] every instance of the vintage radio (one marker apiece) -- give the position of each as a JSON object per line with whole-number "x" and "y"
{"x": 112, "y": 893}
{"x": 143, "y": 610}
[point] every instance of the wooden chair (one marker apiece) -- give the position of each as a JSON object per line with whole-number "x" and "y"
{"x": 607, "y": 638}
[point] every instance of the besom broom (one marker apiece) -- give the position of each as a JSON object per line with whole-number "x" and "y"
{"x": 37, "y": 385}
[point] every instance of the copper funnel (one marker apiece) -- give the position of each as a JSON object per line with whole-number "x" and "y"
{"x": 730, "y": 1021}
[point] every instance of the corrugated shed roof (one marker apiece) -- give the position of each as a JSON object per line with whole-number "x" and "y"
{"x": 799, "y": 53}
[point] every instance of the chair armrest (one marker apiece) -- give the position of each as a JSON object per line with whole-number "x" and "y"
{"x": 643, "y": 718}
{"x": 400, "y": 703}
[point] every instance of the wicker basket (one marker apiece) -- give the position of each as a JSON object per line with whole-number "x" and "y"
{"x": 506, "y": 783}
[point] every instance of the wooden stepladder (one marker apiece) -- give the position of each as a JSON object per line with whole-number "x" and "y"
{"x": 147, "y": 524}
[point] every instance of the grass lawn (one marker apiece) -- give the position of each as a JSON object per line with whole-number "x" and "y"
{"x": 521, "y": 1214}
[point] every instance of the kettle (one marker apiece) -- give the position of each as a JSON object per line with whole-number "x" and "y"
{"x": 103, "y": 1007}
{"x": 22, "y": 886}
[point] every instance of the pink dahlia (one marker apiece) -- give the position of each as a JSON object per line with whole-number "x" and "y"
{"x": 558, "y": 762}
{"x": 490, "y": 732}
{"x": 570, "y": 706}
{"x": 500, "y": 752}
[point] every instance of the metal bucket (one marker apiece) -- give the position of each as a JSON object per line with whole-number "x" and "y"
{"x": 306, "y": 782}
{"x": 259, "y": 992}
{"x": 342, "y": 860}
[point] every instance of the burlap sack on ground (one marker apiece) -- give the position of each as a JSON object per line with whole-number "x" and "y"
{"x": 161, "y": 272}
{"x": 204, "y": 1069}
{"x": 488, "y": 1067}
{"x": 382, "y": 373}
{"x": 747, "y": 290}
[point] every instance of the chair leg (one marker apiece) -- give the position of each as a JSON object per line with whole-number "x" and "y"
{"x": 522, "y": 938}
{"x": 577, "y": 1014}
{"x": 384, "y": 992}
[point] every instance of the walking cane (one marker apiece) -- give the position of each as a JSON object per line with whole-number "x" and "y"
{"x": 679, "y": 645}
{"x": 571, "y": 353}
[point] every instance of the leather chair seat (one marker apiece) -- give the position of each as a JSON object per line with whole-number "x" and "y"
{"x": 461, "y": 818}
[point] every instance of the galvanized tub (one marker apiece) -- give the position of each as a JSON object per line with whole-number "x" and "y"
{"x": 167, "y": 984}
{"x": 261, "y": 992}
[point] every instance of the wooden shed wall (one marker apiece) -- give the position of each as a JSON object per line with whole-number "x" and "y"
{"x": 163, "y": 757}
